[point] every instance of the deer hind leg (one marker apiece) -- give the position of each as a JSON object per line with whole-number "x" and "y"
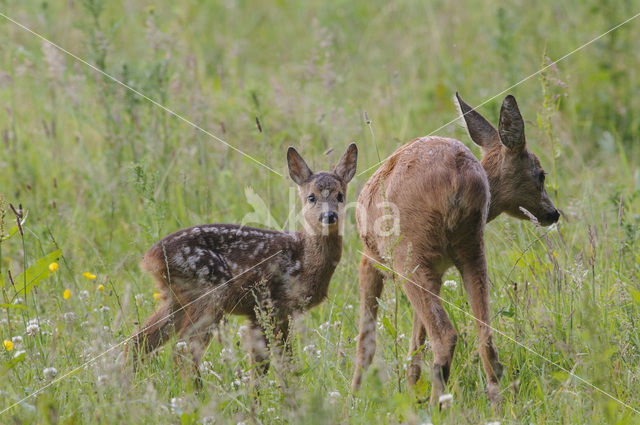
{"x": 416, "y": 350}
{"x": 371, "y": 284}
{"x": 422, "y": 290}
{"x": 472, "y": 265}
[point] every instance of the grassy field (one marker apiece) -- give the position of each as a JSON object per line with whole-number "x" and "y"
{"x": 102, "y": 173}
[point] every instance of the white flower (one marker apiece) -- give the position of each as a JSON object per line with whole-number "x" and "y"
{"x": 139, "y": 299}
{"x": 496, "y": 422}
{"x": 33, "y": 329}
{"x": 50, "y": 372}
{"x": 102, "y": 379}
{"x": 176, "y": 405}
{"x": 271, "y": 410}
{"x": 349, "y": 307}
{"x": 208, "y": 420}
{"x": 69, "y": 316}
{"x": 309, "y": 349}
{"x": 243, "y": 331}
{"x": 19, "y": 353}
{"x": 17, "y": 341}
{"x": 333, "y": 396}
{"x": 83, "y": 294}
{"x": 104, "y": 309}
{"x": 445, "y": 400}
{"x": 241, "y": 423}
{"x": 236, "y": 383}
{"x": 324, "y": 326}
{"x": 181, "y": 347}
{"x": 451, "y": 284}
{"x": 18, "y": 301}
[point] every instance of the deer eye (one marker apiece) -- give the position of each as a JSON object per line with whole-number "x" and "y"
{"x": 311, "y": 198}
{"x": 340, "y": 197}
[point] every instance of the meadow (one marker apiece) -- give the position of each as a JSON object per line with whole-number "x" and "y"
{"x": 101, "y": 173}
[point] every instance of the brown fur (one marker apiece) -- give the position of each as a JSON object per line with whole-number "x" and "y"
{"x": 206, "y": 271}
{"x": 444, "y": 196}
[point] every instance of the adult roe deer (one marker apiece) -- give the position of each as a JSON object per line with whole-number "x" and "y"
{"x": 444, "y": 196}
{"x": 206, "y": 271}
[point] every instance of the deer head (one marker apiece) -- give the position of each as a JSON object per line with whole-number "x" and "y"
{"x": 516, "y": 178}
{"x": 323, "y": 194}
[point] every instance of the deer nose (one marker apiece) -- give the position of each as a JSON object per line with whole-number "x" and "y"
{"x": 554, "y": 216}
{"x": 328, "y": 217}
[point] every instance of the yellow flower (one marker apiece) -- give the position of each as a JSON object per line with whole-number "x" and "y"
{"x": 8, "y": 345}
{"x": 89, "y": 275}
{"x": 157, "y": 295}
{"x": 53, "y": 267}
{"x": 101, "y": 287}
{"x": 66, "y": 294}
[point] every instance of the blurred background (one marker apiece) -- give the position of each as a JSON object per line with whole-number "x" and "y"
{"x": 103, "y": 173}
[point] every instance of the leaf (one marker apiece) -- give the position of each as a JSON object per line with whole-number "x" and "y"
{"x": 635, "y": 294}
{"x": 382, "y": 267}
{"x": 12, "y": 363}
{"x": 387, "y": 325}
{"x": 14, "y": 229}
{"x": 20, "y": 306}
{"x": 36, "y": 272}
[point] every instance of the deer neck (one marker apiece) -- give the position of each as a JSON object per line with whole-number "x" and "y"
{"x": 321, "y": 252}
{"x": 492, "y": 164}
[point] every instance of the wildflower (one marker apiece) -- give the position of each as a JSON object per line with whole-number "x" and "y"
{"x": 33, "y": 329}
{"x": 50, "y": 372}
{"x": 66, "y": 294}
{"x": 83, "y": 294}
{"x": 69, "y": 316}
{"x": 493, "y": 423}
{"x": 271, "y": 410}
{"x": 176, "y": 405}
{"x": 17, "y": 341}
{"x": 333, "y": 396}
{"x": 139, "y": 299}
{"x": 101, "y": 287}
{"x": 181, "y": 347}
{"x": 208, "y": 420}
{"x": 89, "y": 275}
{"x": 309, "y": 349}
{"x": 451, "y": 284}
{"x": 157, "y": 295}
{"x": 102, "y": 379}
{"x": 18, "y": 301}
{"x": 445, "y": 400}
{"x": 243, "y": 331}
{"x": 53, "y": 267}
{"x": 8, "y": 345}
{"x": 19, "y": 353}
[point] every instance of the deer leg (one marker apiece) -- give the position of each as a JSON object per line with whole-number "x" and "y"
{"x": 423, "y": 292}
{"x": 472, "y": 265}
{"x": 371, "y": 284}
{"x": 198, "y": 336}
{"x": 258, "y": 347}
{"x": 156, "y": 330}
{"x": 416, "y": 349}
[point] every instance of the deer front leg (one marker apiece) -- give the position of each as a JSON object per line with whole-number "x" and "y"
{"x": 423, "y": 292}
{"x": 473, "y": 268}
{"x": 371, "y": 284}
{"x": 416, "y": 349}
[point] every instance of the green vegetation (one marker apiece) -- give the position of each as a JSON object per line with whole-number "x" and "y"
{"x": 102, "y": 173}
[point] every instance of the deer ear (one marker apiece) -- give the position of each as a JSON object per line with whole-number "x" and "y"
{"x": 346, "y": 167}
{"x": 298, "y": 169}
{"x": 480, "y": 130}
{"x": 511, "y": 127}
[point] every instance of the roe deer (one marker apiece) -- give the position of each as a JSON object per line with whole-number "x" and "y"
{"x": 206, "y": 271}
{"x": 444, "y": 196}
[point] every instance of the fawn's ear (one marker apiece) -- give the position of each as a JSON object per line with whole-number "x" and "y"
{"x": 346, "y": 167}
{"x": 511, "y": 127}
{"x": 480, "y": 130}
{"x": 298, "y": 169}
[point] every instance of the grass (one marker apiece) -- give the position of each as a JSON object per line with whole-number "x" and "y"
{"x": 104, "y": 173}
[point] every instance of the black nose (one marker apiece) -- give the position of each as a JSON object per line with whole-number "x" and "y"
{"x": 328, "y": 217}
{"x": 554, "y": 216}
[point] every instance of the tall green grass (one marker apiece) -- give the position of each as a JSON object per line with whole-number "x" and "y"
{"x": 102, "y": 174}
